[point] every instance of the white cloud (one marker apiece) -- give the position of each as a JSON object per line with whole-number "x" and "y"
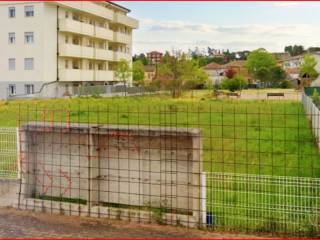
{"x": 286, "y": 3}
{"x": 165, "y": 35}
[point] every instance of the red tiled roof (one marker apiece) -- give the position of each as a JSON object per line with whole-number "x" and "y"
{"x": 213, "y": 66}
{"x": 239, "y": 63}
{"x": 293, "y": 71}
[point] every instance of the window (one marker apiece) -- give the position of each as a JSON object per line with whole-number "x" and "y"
{"x": 75, "y": 64}
{"x": 66, "y": 64}
{"x": 12, "y": 64}
{"x": 67, "y": 39}
{"x": 90, "y": 65}
{"x": 28, "y": 11}
{"x": 28, "y": 37}
{"x": 29, "y": 89}
{"x": 12, "y": 38}
{"x": 12, "y": 89}
{"x": 12, "y": 12}
{"x": 67, "y": 14}
{"x": 101, "y": 66}
{"x": 28, "y": 64}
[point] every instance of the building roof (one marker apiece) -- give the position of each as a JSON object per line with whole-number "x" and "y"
{"x": 292, "y": 58}
{"x": 213, "y": 66}
{"x": 240, "y": 63}
{"x": 154, "y": 52}
{"x": 216, "y": 66}
{"x": 149, "y": 68}
{"x": 119, "y": 6}
{"x": 293, "y": 70}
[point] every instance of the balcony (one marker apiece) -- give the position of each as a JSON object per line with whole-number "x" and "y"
{"x": 78, "y": 51}
{"x": 84, "y": 75}
{"x": 69, "y": 25}
{"x": 120, "y": 55}
{"x": 122, "y": 38}
{"x": 126, "y": 20}
{"x": 88, "y": 7}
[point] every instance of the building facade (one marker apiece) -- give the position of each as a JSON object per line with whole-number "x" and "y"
{"x": 292, "y": 67}
{"x": 217, "y": 72}
{"x": 149, "y": 73}
{"x": 154, "y": 57}
{"x": 53, "y": 47}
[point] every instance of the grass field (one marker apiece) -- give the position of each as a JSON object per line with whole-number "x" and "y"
{"x": 256, "y": 137}
{"x": 241, "y": 137}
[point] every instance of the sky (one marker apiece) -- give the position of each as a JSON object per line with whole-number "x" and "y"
{"x": 165, "y": 26}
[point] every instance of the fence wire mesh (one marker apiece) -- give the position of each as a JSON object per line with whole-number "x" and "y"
{"x": 8, "y": 152}
{"x": 251, "y": 166}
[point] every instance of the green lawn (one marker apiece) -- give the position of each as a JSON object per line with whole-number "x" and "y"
{"x": 256, "y": 137}
{"x": 252, "y": 137}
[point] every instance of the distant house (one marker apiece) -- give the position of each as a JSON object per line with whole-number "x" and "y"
{"x": 154, "y": 57}
{"x": 216, "y": 72}
{"x": 149, "y": 73}
{"x": 281, "y": 55}
{"x": 292, "y": 67}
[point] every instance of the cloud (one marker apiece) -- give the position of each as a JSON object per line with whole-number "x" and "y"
{"x": 286, "y": 3}
{"x": 180, "y": 26}
{"x": 166, "y": 35}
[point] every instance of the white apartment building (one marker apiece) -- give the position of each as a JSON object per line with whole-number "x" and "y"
{"x": 53, "y": 47}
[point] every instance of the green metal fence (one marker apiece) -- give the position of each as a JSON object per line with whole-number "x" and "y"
{"x": 8, "y": 152}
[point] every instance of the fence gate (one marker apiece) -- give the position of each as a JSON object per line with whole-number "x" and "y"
{"x": 8, "y": 152}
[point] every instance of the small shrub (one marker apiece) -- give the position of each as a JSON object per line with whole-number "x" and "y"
{"x": 236, "y": 83}
{"x": 285, "y": 84}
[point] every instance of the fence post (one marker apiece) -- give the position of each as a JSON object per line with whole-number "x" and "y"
{"x": 18, "y": 153}
{"x": 203, "y": 199}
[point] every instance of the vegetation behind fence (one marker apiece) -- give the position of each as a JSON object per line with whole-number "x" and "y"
{"x": 261, "y": 157}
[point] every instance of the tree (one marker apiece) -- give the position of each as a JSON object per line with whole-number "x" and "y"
{"x": 260, "y": 64}
{"x": 236, "y": 83}
{"x": 138, "y": 73}
{"x": 294, "y": 50}
{"x": 278, "y": 75}
{"x": 229, "y": 73}
{"x": 307, "y": 68}
{"x": 142, "y": 57}
{"x": 123, "y": 71}
{"x": 177, "y": 73}
{"x": 313, "y": 49}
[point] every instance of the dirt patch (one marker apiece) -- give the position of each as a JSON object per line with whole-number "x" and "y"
{"x": 23, "y": 224}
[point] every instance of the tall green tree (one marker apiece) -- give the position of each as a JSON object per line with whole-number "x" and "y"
{"x": 294, "y": 50}
{"x": 123, "y": 71}
{"x": 177, "y": 73}
{"x": 260, "y": 64}
{"x": 138, "y": 73}
{"x": 307, "y": 68}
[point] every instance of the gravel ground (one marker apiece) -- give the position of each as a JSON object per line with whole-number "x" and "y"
{"x": 25, "y": 224}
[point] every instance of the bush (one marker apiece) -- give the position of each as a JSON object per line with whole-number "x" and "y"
{"x": 316, "y": 97}
{"x": 285, "y": 84}
{"x": 236, "y": 83}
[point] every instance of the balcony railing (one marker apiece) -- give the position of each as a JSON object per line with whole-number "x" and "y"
{"x": 88, "y": 7}
{"x": 120, "y": 55}
{"x": 122, "y": 38}
{"x": 78, "y": 51}
{"x": 126, "y": 20}
{"x": 85, "y": 75}
{"x": 69, "y": 25}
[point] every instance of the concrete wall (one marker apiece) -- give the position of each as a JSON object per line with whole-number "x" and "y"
{"x": 128, "y": 165}
{"x": 9, "y": 192}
